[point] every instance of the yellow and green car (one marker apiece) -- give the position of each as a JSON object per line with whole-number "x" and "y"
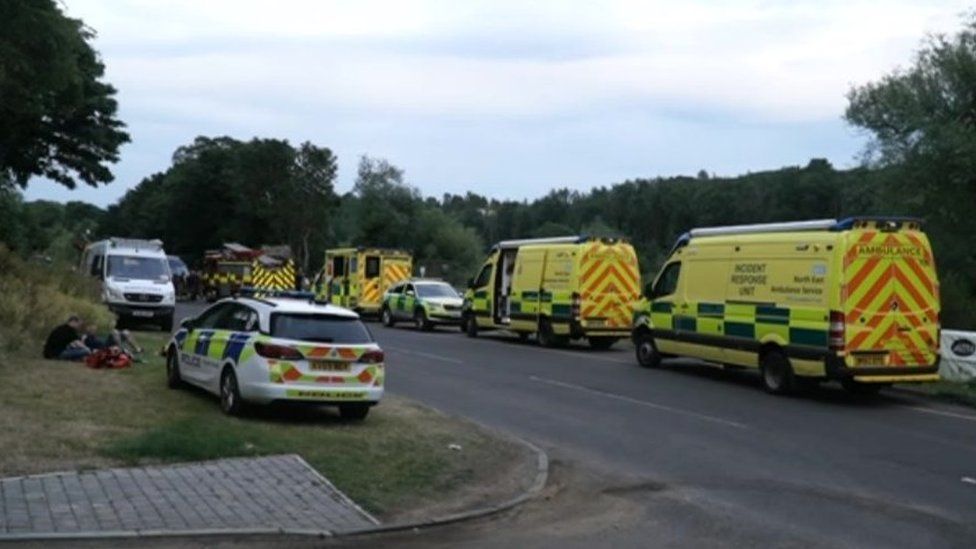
{"x": 424, "y": 302}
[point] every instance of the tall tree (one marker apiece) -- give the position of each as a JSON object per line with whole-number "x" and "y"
{"x": 923, "y": 122}
{"x": 58, "y": 114}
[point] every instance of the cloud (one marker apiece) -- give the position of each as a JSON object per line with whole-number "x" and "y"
{"x": 438, "y": 84}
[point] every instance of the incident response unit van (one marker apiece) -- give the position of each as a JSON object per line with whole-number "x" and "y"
{"x": 357, "y": 278}
{"x": 136, "y": 280}
{"x": 558, "y": 288}
{"x": 854, "y": 300}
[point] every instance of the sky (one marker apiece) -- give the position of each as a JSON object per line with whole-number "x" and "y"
{"x": 506, "y": 98}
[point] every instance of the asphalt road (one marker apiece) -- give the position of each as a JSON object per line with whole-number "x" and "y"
{"x": 690, "y": 455}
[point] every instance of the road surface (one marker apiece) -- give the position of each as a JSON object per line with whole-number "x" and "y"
{"x": 695, "y": 456}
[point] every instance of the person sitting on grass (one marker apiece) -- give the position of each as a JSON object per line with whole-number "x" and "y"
{"x": 116, "y": 338}
{"x": 64, "y": 342}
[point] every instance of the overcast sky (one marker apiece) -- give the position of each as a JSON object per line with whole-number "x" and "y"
{"x": 504, "y": 98}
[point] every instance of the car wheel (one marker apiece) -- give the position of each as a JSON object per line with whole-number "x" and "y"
{"x": 777, "y": 373}
{"x": 471, "y": 325}
{"x": 354, "y": 412}
{"x": 387, "y": 317}
{"x": 230, "y": 394}
{"x": 173, "y": 380}
{"x": 421, "y": 321}
{"x": 862, "y": 389}
{"x": 647, "y": 355}
{"x": 547, "y": 338}
{"x": 602, "y": 343}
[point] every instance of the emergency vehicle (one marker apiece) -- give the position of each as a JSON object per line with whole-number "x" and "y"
{"x": 425, "y": 302}
{"x": 854, "y": 300}
{"x": 558, "y": 288}
{"x": 357, "y": 278}
{"x": 234, "y": 266}
{"x": 135, "y": 277}
{"x": 282, "y": 347}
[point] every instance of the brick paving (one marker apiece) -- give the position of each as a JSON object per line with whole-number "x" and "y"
{"x": 275, "y": 492}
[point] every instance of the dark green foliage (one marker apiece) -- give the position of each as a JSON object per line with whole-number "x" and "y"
{"x": 58, "y": 116}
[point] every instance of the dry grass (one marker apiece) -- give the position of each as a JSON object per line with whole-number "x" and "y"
{"x": 63, "y": 416}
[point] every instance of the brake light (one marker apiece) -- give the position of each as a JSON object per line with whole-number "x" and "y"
{"x": 835, "y": 336}
{"x": 278, "y": 352}
{"x": 574, "y": 308}
{"x": 372, "y": 357}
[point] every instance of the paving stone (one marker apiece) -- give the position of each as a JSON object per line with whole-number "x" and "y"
{"x": 246, "y": 493}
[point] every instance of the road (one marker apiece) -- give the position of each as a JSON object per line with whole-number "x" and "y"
{"x": 695, "y": 456}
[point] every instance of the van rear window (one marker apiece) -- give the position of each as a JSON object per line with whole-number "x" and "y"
{"x": 321, "y": 328}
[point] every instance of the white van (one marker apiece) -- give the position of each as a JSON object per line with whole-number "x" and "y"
{"x": 136, "y": 280}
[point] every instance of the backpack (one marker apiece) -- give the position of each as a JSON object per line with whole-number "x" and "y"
{"x": 112, "y": 358}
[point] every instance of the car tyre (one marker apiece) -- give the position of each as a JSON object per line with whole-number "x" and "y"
{"x": 387, "y": 317}
{"x": 354, "y": 411}
{"x": 173, "y": 379}
{"x": 230, "y": 394}
{"x": 777, "y": 373}
{"x": 646, "y": 351}
{"x": 470, "y": 325}
{"x": 421, "y": 321}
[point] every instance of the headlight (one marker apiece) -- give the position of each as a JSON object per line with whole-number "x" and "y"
{"x": 113, "y": 293}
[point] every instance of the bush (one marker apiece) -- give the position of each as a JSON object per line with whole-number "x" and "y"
{"x": 35, "y": 297}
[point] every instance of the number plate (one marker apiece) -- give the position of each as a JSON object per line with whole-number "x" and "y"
{"x": 329, "y": 366}
{"x": 876, "y": 359}
{"x": 144, "y": 314}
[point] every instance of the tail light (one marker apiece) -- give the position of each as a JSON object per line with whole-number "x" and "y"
{"x": 835, "y": 336}
{"x": 574, "y": 308}
{"x": 279, "y": 352}
{"x": 372, "y": 357}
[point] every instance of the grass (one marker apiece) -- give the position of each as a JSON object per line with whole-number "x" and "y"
{"x": 63, "y": 416}
{"x": 955, "y": 392}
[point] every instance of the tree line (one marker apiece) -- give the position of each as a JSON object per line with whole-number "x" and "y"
{"x": 920, "y": 161}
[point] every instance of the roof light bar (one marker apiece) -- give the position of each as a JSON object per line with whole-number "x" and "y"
{"x": 527, "y": 241}
{"x": 814, "y": 225}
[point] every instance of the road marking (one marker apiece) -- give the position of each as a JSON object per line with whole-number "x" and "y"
{"x": 639, "y": 402}
{"x": 965, "y": 417}
{"x": 425, "y": 355}
{"x": 969, "y": 480}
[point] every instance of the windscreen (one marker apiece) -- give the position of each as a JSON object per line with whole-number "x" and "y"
{"x": 140, "y": 268}
{"x": 322, "y": 328}
{"x": 435, "y": 290}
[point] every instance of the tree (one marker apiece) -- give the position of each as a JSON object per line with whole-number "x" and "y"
{"x": 923, "y": 123}
{"x": 58, "y": 115}
{"x": 310, "y": 199}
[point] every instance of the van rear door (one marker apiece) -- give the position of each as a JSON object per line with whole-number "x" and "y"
{"x": 890, "y": 296}
{"x": 609, "y": 283}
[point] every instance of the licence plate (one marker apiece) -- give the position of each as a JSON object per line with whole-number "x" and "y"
{"x": 876, "y": 359}
{"x": 144, "y": 314}
{"x": 329, "y": 366}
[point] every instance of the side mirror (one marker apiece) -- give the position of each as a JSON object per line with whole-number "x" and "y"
{"x": 470, "y": 283}
{"x": 649, "y": 290}
{"x": 187, "y": 323}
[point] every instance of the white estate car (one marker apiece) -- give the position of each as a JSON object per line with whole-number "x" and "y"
{"x": 261, "y": 350}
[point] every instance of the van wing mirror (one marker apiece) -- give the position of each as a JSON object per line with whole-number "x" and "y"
{"x": 649, "y": 290}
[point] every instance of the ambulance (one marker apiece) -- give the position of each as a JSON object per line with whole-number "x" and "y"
{"x": 855, "y": 301}
{"x": 357, "y": 278}
{"x": 562, "y": 288}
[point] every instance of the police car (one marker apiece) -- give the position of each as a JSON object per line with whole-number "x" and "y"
{"x": 282, "y": 348}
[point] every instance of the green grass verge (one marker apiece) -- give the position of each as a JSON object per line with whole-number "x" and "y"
{"x": 57, "y": 415}
{"x": 949, "y": 391}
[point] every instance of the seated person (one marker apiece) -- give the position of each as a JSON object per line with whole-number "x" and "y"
{"x": 116, "y": 338}
{"x": 64, "y": 342}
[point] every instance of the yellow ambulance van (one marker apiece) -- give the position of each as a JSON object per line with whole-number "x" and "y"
{"x": 560, "y": 288}
{"x": 854, "y": 300}
{"x": 357, "y": 278}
